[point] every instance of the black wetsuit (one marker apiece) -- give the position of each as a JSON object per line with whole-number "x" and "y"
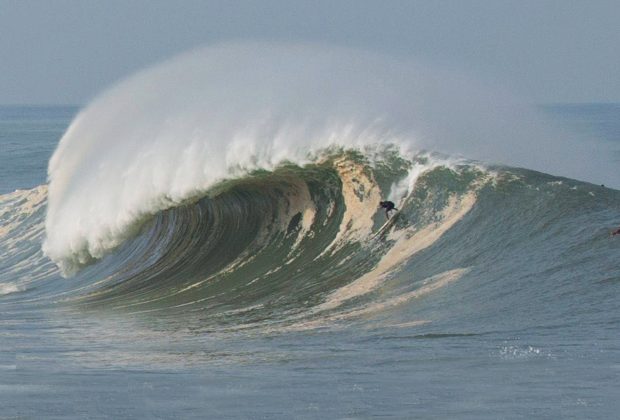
{"x": 388, "y": 206}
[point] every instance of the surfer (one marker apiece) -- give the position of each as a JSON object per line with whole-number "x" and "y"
{"x": 388, "y": 206}
{"x": 615, "y": 232}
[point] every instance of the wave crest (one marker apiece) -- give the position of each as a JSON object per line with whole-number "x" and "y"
{"x": 172, "y": 132}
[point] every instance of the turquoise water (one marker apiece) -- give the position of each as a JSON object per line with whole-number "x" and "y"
{"x": 224, "y": 307}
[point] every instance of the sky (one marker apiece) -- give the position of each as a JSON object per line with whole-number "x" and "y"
{"x": 68, "y": 51}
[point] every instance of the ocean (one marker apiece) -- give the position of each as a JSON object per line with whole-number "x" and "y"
{"x": 275, "y": 293}
{"x": 203, "y": 240}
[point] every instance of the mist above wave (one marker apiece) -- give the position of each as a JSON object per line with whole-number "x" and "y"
{"x": 171, "y": 131}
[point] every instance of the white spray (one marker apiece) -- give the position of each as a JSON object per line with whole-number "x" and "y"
{"x": 171, "y": 131}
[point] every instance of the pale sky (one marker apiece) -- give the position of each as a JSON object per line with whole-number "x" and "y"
{"x": 67, "y": 51}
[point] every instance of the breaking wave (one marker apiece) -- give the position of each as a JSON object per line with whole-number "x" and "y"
{"x": 173, "y": 132}
{"x": 241, "y": 184}
{"x": 293, "y": 238}
{"x": 306, "y": 246}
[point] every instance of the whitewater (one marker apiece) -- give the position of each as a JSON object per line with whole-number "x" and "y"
{"x": 209, "y": 242}
{"x": 222, "y": 112}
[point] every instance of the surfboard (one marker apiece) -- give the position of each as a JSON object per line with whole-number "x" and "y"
{"x": 387, "y": 225}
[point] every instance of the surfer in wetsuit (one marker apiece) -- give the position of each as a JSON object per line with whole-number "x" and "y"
{"x": 388, "y": 206}
{"x": 615, "y": 232}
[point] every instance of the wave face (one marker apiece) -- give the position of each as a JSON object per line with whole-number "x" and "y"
{"x": 304, "y": 246}
{"x": 301, "y": 244}
{"x": 283, "y": 241}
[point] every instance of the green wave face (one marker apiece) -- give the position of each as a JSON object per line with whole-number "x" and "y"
{"x": 277, "y": 242}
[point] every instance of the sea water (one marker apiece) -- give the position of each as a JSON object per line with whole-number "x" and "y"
{"x": 234, "y": 305}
